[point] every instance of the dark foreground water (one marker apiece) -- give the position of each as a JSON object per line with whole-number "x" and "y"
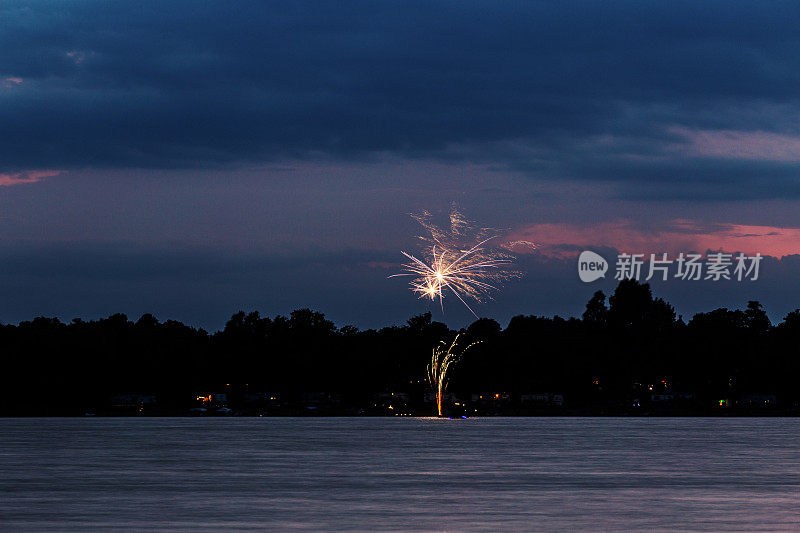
{"x": 371, "y": 474}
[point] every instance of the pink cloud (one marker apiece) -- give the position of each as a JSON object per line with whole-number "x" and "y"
{"x": 675, "y": 237}
{"x": 12, "y": 81}
{"x": 733, "y": 144}
{"x": 77, "y": 57}
{"x": 28, "y": 176}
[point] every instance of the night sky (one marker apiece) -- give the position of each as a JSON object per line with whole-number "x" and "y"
{"x": 190, "y": 159}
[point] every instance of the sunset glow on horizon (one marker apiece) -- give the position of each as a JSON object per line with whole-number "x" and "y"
{"x": 567, "y": 240}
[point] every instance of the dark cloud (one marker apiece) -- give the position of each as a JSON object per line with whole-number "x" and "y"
{"x": 188, "y": 84}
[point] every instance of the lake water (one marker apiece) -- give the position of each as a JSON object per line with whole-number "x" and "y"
{"x": 367, "y": 474}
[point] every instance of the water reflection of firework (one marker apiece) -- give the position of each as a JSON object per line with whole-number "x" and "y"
{"x": 459, "y": 260}
{"x": 443, "y": 358}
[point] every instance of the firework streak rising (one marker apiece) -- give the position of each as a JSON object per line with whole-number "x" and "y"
{"x": 443, "y": 358}
{"x": 451, "y": 264}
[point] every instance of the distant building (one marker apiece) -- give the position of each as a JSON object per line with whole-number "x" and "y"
{"x": 313, "y": 401}
{"x": 133, "y": 401}
{"x": 489, "y": 397}
{"x": 542, "y": 398}
{"x": 391, "y": 396}
{"x": 758, "y": 401}
{"x": 208, "y": 400}
{"x": 390, "y": 403}
{"x": 664, "y": 384}
{"x": 660, "y": 398}
{"x": 267, "y": 398}
{"x": 490, "y": 402}
{"x": 133, "y": 398}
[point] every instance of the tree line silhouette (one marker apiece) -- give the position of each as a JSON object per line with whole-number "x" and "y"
{"x": 615, "y": 359}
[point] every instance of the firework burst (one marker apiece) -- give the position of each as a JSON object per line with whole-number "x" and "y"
{"x": 460, "y": 261}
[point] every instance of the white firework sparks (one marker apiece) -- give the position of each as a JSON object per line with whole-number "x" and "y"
{"x": 451, "y": 266}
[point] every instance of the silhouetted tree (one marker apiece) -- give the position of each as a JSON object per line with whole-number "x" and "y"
{"x": 484, "y": 328}
{"x": 756, "y": 317}
{"x": 417, "y": 324}
{"x": 596, "y": 313}
{"x": 632, "y": 306}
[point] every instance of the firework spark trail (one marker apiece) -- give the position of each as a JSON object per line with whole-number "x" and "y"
{"x": 469, "y": 272}
{"x": 442, "y": 359}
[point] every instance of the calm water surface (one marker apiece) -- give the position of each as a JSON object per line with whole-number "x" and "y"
{"x": 366, "y": 474}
